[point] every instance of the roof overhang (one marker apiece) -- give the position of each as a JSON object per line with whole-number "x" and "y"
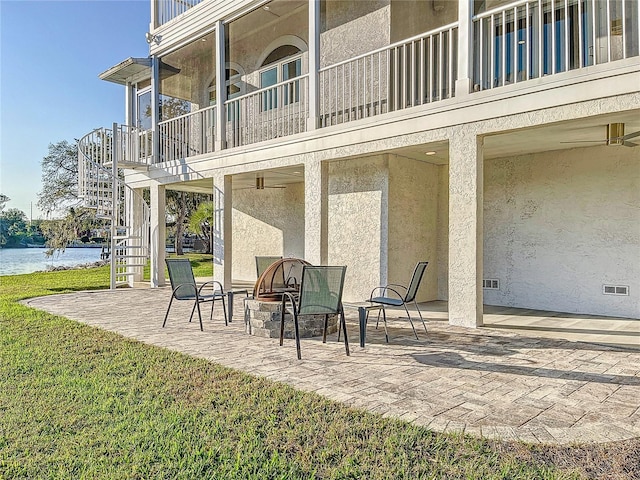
{"x": 132, "y": 70}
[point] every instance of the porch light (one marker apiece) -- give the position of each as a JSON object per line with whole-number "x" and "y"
{"x": 430, "y": 153}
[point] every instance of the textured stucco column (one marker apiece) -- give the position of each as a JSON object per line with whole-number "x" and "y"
{"x": 316, "y": 187}
{"x": 158, "y": 234}
{"x": 465, "y": 229}
{"x": 222, "y": 230}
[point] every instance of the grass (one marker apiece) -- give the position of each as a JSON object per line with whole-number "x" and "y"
{"x": 79, "y": 402}
{"x": 201, "y": 263}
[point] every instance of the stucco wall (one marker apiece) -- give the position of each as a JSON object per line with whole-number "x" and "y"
{"x": 357, "y": 223}
{"x": 353, "y": 28}
{"x": 247, "y": 47}
{"x": 382, "y": 219}
{"x": 266, "y": 222}
{"x": 559, "y": 225}
{"x": 413, "y": 17}
{"x": 413, "y": 222}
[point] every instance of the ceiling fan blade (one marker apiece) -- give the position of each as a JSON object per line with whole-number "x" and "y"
{"x": 631, "y": 135}
{"x": 586, "y": 141}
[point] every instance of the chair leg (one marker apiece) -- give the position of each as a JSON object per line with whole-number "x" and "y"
{"x": 384, "y": 318}
{"x": 324, "y": 331}
{"x": 224, "y": 310}
{"x": 167, "y": 314}
{"x": 282, "y": 324}
{"x": 420, "y": 313}
{"x": 411, "y": 321}
{"x": 193, "y": 310}
{"x": 295, "y": 327}
{"x": 199, "y": 315}
{"x": 378, "y": 319}
{"x": 344, "y": 329}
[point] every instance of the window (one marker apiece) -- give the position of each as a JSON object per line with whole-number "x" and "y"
{"x": 143, "y": 109}
{"x": 281, "y": 67}
{"x": 234, "y": 86}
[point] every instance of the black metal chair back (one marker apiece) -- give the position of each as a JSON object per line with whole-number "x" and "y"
{"x": 320, "y": 294}
{"x": 263, "y": 262}
{"x": 183, "y": 283}
{"x": 416, "y": 278}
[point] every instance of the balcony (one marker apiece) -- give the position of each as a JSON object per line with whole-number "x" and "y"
{"x": 525, "y": 41}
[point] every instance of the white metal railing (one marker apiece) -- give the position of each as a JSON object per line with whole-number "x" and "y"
{"x": 167, "y": 10}
{"x": 276, "y": 111}
{"x": 187, "y": 135}
{"x": 412, "y": 72}
{"x": 133, "y": 146}
{"x": 533, "y": 38}
{"x": 101, "y": 187}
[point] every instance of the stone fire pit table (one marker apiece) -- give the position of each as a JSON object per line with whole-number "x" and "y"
{"x": 262, "y": 319}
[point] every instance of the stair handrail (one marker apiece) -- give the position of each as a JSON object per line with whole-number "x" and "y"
{"x": 95, "y": 150}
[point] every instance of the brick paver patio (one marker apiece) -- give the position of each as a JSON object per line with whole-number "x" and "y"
{"x": 493, "y": 383}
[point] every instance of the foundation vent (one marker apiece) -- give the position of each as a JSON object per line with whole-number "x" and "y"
{"x": 491, "y": 284}
{"x": 615, "y": 290}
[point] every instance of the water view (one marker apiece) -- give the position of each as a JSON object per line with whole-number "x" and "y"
{"x": 15, "y": 261}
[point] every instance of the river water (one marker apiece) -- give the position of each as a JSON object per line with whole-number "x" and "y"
{"x": 15, "y": 261}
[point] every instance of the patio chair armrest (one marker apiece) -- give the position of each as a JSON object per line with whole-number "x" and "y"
{"x": 288, "y": 296}
{"x": 212, "y": 282}
{"x": 384, "y": 290}
{"x": 194, "y": 292}
{"x": 397, "y": 285}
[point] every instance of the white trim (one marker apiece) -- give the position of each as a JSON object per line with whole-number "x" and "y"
{"x": 280, "y": 42}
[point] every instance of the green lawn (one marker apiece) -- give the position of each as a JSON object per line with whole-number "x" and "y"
{"x": 202, "y": 265}
{"x": 77, "y": 402}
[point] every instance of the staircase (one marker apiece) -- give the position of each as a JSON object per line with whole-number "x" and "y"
{"x": 101, "y": 156}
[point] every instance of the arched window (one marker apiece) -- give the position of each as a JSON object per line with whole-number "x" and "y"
{"x": 282, "y": 64}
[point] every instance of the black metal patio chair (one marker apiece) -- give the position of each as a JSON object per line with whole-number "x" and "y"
{"x": 320, "y": 294}
{"x": 184, "y": 287}
{"x": 397, "y": 295}
{"x": 263, "y": 262}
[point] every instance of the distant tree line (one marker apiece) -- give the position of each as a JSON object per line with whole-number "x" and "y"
{"x": 187, "y": 212}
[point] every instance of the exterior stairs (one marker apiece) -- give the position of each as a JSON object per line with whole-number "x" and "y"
{"x": 102, "y": 154}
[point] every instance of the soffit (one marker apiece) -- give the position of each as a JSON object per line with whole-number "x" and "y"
{"x": 131, "y": 70}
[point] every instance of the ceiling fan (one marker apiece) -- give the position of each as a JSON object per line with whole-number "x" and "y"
{"x": 615, "y": 136}
{"x": 259, "y": 185}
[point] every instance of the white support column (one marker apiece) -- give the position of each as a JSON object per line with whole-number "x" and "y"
{"x": 465, "y": 228}
{"x": 316, "y": 186}
{"x": 222, "y": 229}
{"x": 129, "y": 107}
{"x": 155, "y": 110}
{"x": 314, "y": 63}
{"x": 464, "y": 83}
{"x": 158, "y": 234}
{"x": 221, "y": 87}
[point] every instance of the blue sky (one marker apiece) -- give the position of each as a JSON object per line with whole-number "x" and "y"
{"x": 51, "y": 53}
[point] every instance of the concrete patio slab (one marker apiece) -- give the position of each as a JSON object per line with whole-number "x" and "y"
{"x": 495, "y": 382}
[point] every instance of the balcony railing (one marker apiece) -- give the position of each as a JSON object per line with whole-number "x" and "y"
{"x": 187, "y": 135}
{"x": 412, "y": 72}
{"x": 532, "y": 38}
{"x": 167, "y": 10}
{"x": 525, "y": 40}
{"x": 275, "y": 111}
